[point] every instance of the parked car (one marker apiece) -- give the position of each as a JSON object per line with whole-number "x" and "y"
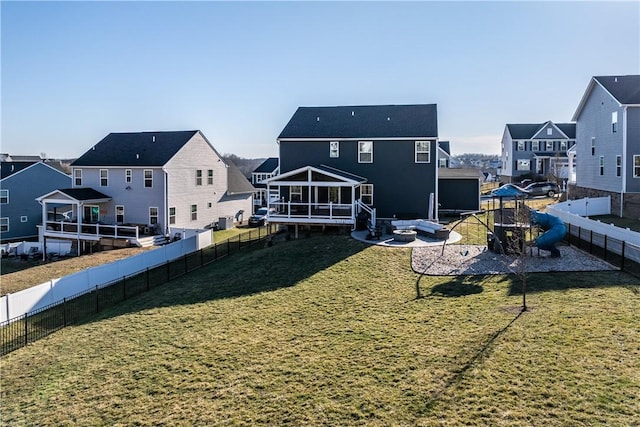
{"x": 525, "y": 182}
{"x": 261, "y": 217}
{"x": 549, "y": 189}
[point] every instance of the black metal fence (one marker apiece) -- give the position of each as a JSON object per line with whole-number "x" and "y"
{"x": 20, "y": 331}
{"x": 621, "y": 254}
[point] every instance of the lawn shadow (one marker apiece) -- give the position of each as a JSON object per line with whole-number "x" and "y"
{"x": 459, "y": 374}
{"x": 253, "y": 270}
{"x": 456, "y": 287}
{"x": 557, "y": 281}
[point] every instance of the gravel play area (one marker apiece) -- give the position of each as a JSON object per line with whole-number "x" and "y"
{"x": 472, "y": 259}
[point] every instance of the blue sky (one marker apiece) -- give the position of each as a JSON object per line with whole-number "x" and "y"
{"x": 74, "y": 71}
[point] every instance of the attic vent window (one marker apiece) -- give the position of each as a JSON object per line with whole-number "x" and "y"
{"x": 153, "y": 138}
{"x": 137, "y": 156}
{"x": 318, "y": 119}
{"x": 353, "y": 113}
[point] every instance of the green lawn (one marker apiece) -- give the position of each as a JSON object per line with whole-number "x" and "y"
{"x": 328, "y": 331}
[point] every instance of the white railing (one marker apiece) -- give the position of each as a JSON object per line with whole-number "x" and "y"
{"x": 372, "y": 211}
{"x": 309, "y": 210}
{"x": 97, "y": 230}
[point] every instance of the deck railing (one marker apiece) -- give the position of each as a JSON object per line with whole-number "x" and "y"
{"x": 97, "y": 230}
{"x": 309, "y": 210}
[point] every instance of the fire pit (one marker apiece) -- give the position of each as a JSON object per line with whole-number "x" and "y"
{"x": 404, "y": 236}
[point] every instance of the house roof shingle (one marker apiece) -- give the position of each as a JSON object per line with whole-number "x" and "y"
{"x": 267, "y": 166}
{"x": 528, "y": 130}
{"x": 625, "y": 89}
{"x": 135, "y": 149}
{"x": 9, "y": 168}
{"x": 237, "y": 183}
{"x": 368, "y": 121}
{"x": 84, "y": 194}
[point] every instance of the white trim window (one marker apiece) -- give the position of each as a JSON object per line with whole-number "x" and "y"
{"x": 366, "y": 194}
{"x": 194, "y": 212}
{"x": 209, "y": 176}
{"x": 593, "y": 145}
{"x": 24, "y": 218}
{"x": 365, "y": 151}
{"x": 618, "y": 165}
{"x": 128, "y": 176}
{"x": 104, "y": 177}
{"x": 549, "y": 146}
{"x": 523, "y": 165}
{"x": 148, "y": 178}
{"x": 153, "y": 215}
{"x": 77, "y": 177}
{"x": 334, "y": 149}
{"x": 601, "y": 165}
{"x": 521, "y": 146}
{"x": 614, "y": 122}
{"x": 535, "y": 145}
{"x": 198, "y": 177}
{"x": 120, "y": 214}
{"x": 172, "y": 215}
{"x": 636, "y": 165}
{"x": 4, "y": 225}
{"x": 423, "y": 151}
{"x": 563, "y": 145}
{"x": 549, "y": 131}
{"x": 4, "y": 197}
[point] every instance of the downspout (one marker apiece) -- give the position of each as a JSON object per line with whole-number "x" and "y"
{"x": 79, "y": 225}
{"x": 624, "y": 159}
{"x": 166, "y": 202}
{"x": 435, "y": 204}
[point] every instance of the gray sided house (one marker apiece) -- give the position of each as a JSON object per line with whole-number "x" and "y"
{"x": 608, "y": 149}
{"x": 133, "y": 185}
{"x": 536, "y": 149}
{"x": 267, "y": 169}
{"x": 20, "y": 185}
{"x": 338, "y": 161}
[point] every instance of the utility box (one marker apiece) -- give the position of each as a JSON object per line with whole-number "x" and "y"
{"x": 225, "y": 222}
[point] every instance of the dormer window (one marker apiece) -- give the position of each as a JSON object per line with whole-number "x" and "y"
{"x": 334, "y": 149}
{"x": 549, "y": 131}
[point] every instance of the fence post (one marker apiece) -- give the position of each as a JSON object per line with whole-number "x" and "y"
{"x": 622, "y": 260}
{"x": 26, "y": 331}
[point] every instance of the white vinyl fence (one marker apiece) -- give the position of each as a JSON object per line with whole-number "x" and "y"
{"x": 27, "y": 300}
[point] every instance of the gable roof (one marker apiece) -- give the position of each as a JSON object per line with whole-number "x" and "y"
{"x": 237, "y": 183}
{"x": 322, "y": 169}
{"x": 79, "y": 194}
{"x": 624, "y": 89}
{"x": 268, "y": 166}
{"x": 9, "y": 168}
{"x": 445, "y": 146}
{"x": 368, "y": 121}
{"x": 529, "y": 130}
{"x": 135, "y": 149}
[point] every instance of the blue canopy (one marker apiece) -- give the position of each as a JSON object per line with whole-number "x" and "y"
{"x": 510, "y": 190}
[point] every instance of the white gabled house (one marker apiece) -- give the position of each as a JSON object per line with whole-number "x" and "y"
{"x": 143, "y": 186}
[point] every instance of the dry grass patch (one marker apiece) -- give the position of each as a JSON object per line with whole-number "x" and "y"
{"x": 327, "y": 331}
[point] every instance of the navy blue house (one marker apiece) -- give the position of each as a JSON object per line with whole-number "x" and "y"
{"x": 338, "y": 161}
